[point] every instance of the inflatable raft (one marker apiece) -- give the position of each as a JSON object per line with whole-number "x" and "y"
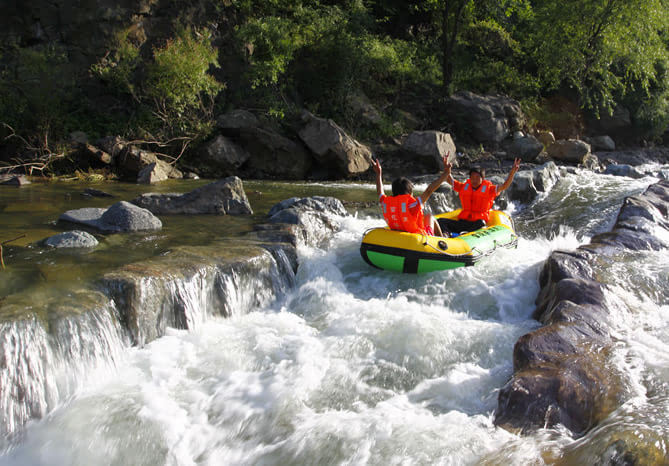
{"x": 415, "y": 253}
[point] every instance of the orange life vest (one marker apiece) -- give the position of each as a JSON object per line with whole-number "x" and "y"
{"x": 398, "y": 215}
{"x": 476, "y": 203}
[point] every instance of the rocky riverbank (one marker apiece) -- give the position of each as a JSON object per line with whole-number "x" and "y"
{"x": 562, "y": 371}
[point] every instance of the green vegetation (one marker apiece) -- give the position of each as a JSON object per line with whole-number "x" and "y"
{"x": 562, "y": 59}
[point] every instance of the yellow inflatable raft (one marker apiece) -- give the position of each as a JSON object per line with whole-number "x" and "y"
{"x": 415, "y": 253}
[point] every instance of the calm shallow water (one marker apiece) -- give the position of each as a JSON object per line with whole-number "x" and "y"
{"x": 362, "y": 366}
{"x": 31, "y": 213}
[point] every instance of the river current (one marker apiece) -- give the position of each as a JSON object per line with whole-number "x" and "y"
{"x": 360, "y": 366}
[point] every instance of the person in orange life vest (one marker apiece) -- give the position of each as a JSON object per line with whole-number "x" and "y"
{"x": 476, "y": 196}
{"x": 404, "y": 212}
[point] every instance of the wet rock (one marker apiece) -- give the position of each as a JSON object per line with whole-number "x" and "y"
{"x": 623, "y": 170}
{"x": 527, "y": 184}
{"x": 72, "y": 239}
{"x": 232, "y": 277}
{"x": 223, "y": 197}
{"x": 120, "y": 217}
{"x": 578, "y": 393}
{"x": 317, "y": 218}
{"x": 562, "y": 373}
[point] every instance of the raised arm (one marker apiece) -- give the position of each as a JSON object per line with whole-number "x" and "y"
{"x": 509, "y": 179}
{"x": 376, "y": 165}
{"x": 445, "y": 176}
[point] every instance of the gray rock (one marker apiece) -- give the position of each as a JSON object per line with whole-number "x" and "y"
{"x": 623, "y": 170}
{"x": 112, "y": 145}
{"x": 72, "y": 239}
{"x": 527, "y": 184}
{"x": 525, "y": 148}
{"x": 120, "y": 217}
{"x": 431, "y": 146}
{"x": 484, "y": 119}
{"x": 221, "y": 156}
{"x": 546, "y": 138}
{"x": 275, "y": 156}
{"x": 154, "y": 173}
{"x": 133, "y": 160}
{"x": 569, "y": 150}
{"x": 94, "y": 154}
{"x": 603, "y": 143}
{"x": 222, "y": 197}
{"x": 316, "y": 218}
{"x": 333, "y": 147}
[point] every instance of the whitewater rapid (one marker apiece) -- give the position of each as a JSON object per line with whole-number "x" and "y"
{"x": 361, "y": 366}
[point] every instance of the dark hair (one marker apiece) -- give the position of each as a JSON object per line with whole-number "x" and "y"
{"x": 477, "y": 169}
{"x": 402, "y": 186}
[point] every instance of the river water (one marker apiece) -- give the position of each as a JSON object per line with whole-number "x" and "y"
{"x": 361, "y": 366}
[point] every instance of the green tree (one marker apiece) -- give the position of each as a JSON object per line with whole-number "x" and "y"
{"x": 603, "y": 49}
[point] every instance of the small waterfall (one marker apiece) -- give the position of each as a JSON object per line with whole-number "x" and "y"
{"x": 42, "y": 362}
{"x": 42, "y": 367}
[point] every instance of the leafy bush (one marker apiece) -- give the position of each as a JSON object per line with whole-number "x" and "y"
{"x": 178, "y": 80}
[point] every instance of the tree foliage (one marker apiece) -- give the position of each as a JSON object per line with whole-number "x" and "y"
{"x": 284, "y": 55}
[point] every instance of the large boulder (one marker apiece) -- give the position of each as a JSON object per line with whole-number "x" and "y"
{"x": 221, "y": 156}
{"x": 316, "y": 218}
{"x": 527, "y": 184}
{"x": 569, "y": 150}
{"x": 525, "y": 148}
{"x": 484, "y": 119}
{"x": 132, "y": 160}
{"x": 120, "y": 217}
{"x": 222, "y": 197}
{"x": 266, "y": 153}
{"x": 333, "y": 148}
{"x": 275, "y": 156}
{"x": 428, "y": 148}
{"x": 604, "y": 143}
